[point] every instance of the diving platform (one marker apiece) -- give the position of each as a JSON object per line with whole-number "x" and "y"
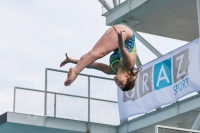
{"x": 27, "y": 123}
{"x": 177, "y": 19}
{"x": 71, "y": 110}
{"x": 182, "y": 114}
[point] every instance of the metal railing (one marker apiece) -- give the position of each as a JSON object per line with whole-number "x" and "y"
{"x": 94, "y": 104}
{"x": 110, "y": 4}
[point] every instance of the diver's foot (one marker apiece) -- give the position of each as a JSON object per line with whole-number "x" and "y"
{"x": 72, "y": 75}
{"x": 67, "y": 60}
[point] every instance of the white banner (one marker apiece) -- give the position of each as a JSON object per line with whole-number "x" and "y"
{"x": 163, "y": 81}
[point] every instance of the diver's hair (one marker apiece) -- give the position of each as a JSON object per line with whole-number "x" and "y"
{"x": 131, "y": 81}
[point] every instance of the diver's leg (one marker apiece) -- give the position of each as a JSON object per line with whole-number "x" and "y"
{"x": 106, "y": 44}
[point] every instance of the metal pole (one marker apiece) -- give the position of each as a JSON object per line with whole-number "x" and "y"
{"x": 176, "y": 128}
{"x": 45, "y": 97}
{"x": 156, "y": 129}
{"x": 115, "y": 3}
{"x": 198, "y": 14}
{"x": 14, "y": 100}
{"x": 105, "y": 4}
{"x": 88, "y": 98}
{"x": 127, "y": 127}
{"x": 45, "y": 93}
{"x": 196, "y": 123}
{"x": 55, "y": 105}
{"x": 142, "y": 40}
{"x": 88, "y": 124}
{"x": 138, "y": 62}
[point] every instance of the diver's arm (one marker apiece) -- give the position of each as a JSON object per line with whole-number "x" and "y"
{"x": 101, "y": 67}
{"x": 127, "y": 58}
{"x": 95, "y": 65}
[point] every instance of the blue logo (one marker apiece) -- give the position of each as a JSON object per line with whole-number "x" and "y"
{"x": 162, "y": 74}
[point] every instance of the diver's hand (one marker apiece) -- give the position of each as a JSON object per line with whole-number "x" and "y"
{"x": 118, "y": 31}
{"x": 120, "y": 38}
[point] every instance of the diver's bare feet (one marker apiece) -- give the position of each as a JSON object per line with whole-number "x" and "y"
{"x": 72, "y": 75}
{"x": 67, "y": 60}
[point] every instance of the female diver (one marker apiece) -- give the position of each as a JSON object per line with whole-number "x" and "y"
{"x": 122, "y": 61}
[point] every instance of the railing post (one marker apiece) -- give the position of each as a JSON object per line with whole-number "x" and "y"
{"x": 45, "y": 93}
{"x": 198, "y": 14}
{"x": 45, "y": 97}
{"x": 88, "y": 98}
{"x": 14, "y": 100}
{"x": 55, "y": 105}
{"x": 156, "y": 128}
{"x": 88, "y": 124}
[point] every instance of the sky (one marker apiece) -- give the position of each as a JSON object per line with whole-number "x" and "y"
{"x": 36, "y": 34}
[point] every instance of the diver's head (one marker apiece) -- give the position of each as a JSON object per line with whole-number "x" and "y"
{"x": 121, "y": 79}
{"x": 126, "y": 81}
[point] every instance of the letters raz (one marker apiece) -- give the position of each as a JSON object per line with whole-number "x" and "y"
{"x": 172, "y": 71}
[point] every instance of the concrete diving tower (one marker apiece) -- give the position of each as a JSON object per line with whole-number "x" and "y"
{"x": 177, "y": 19}
{"x": 183, "y": 114}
